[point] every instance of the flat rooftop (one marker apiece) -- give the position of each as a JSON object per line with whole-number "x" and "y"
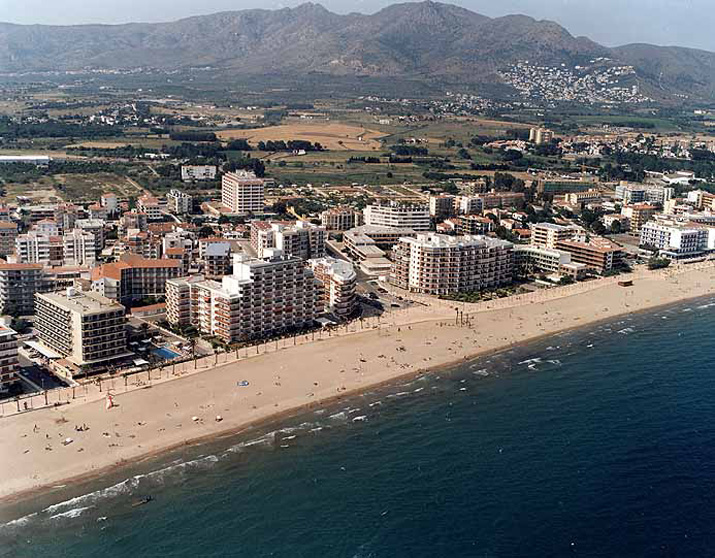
{"x": 82, "y": 302}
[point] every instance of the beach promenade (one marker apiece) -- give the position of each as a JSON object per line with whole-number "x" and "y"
{"x": 180, "y": 405}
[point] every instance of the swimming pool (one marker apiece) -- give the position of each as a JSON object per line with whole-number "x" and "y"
{"x": 166, "y": 354}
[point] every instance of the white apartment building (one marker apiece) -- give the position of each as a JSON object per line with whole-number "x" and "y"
{"x": 340, "y": 218}
{"x": 643, "y": 193}
{"x": 675, "y": 240}
{"x": 110, "y": 202}
{"x": 190, "y": 173}
{"x": 94, "y": 226}
{"x": 242, "y": 193}
{"x": 442, "y": 206}
{"x": 150, "y": 206}
{"x": 530, "y": 259}
{"x": 9, "y": 362}
{"x": 18, "y": 284}
{"x": 85, "y": 328}
{"x": 548, "y": 235}
{"x": 79, "y": 248}
{"x": 338, "y": 283}
{"x": 36, "y": 247}
{"x": 301, "y": 239}
{"x": 415, "y": 217}
{"x": 261, "y": 298}
{"x": 471, "y": 205}
{"x": 439, "y": 264}
{"x": 178, "y": 202}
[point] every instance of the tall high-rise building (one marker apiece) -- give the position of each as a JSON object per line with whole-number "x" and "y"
{"x": 297, "y": 240}
{"x": 338, "y": 283}
{"x": 87, "y": 329}
{"x": 438, "y": 264}
{"x": 404, "y": 216}
{"x": 243, "y": 193}
{"x": 18, "y": 285}
{"x": 261, "y": 298}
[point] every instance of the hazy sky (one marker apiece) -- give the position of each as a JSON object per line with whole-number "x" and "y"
{"x": 610, "y": 22}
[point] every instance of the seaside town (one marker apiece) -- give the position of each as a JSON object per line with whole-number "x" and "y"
{"x": 391, "y": 278}
{"x": 125, "y": 285}
{"x": 175, "y": 268}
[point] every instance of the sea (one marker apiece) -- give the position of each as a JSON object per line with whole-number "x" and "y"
{"x": 599, "y": 442}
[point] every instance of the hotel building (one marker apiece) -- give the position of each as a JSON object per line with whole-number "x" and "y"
{"x": 415, "y": 217}
{"x": 596, "y": 253}
{"x": 338, "y": 283}
{"x": 85, "y": 328}
{"x": 242, "y": 193}
{"x": 110, "y": 202}
{"x": 190, "y": 173}
{"x": 530, "y": 260}
{"x": 438, "y": 264}
{"x": 261, "y": 298}
{"x": 674, "y": 239}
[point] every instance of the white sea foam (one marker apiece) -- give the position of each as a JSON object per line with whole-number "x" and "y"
{"x": 481, "y": 372}
{"x": 339, "y": 416}
{"x": 123, "y": 487}
{"x": 20, "y": 522}
{"x": 71, "y": 514}
{"x": 531, "y": 361}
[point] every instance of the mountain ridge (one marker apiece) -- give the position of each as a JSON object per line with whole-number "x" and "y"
{"x": 422, "y": 40}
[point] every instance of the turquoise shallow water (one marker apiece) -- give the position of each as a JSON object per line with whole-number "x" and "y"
{"x": 594, "y": 443}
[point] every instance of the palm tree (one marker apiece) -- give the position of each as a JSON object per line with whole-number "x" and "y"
{"x": 192, "y": 348}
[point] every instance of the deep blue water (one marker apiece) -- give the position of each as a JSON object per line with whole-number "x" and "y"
{"x": 604, "y": 446}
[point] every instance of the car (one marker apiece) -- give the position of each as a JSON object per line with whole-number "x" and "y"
{"x": 373, "y": 296}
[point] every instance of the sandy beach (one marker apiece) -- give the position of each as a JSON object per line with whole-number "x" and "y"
{"x": 149, "y": 421}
